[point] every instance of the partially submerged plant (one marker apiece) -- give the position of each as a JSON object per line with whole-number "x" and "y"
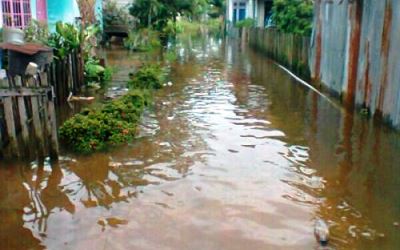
{"x": 147, "y": 77}
{"x": 94, "y": 72}
{"x": 116, "y": 121}
{"x": 113, "y": 124}
{"x": 142, "y": 40}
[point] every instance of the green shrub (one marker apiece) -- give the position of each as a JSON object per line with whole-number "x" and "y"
{"x": 293, "y": 16}
{"x": 37, "y": 32}
{"x": 64, "y": 40}
{"x": 246, "y": 23}
{"x": 94, "y": 72}
{"x": 142, "y": 40}
{"x": 115, "y": 123}
{"x": 147, "y": 77}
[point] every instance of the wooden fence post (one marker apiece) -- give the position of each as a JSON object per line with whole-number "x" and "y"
{"x": 22, "y": 112}
{"x": 10, "y": 123}
{"x": 50, "y": 118}
{"x": 37, "y": 124}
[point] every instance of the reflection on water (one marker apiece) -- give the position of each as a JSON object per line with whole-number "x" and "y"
{"x": 235, "y": 155}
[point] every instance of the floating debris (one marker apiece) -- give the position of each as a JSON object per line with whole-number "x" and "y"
{"x": 72, "y": 98}
{"x": 321, "y": 232}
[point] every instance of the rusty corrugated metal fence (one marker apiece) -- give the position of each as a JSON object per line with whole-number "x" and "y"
{"x": 355, "y": 52}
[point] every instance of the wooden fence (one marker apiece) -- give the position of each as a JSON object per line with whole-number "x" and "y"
{"x": 66, "y": 75}
{"x": 290, "y": 50}
{"x": 28, "y": 124}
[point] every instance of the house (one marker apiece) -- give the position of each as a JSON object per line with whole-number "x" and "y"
{"x": 19, "y": 13}
{"x": 259, "y": 10}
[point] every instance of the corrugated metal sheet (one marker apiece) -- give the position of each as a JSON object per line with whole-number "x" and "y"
{"x": 355, "y": 53}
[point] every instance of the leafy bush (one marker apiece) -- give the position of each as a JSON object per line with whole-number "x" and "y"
{"x": 94, "y": 72}
{"x": 147, "y": 77}
{"x": 293, "y": 16}
{"x": 64, "y": 40}
{"x": 114, "y": 15}
{"x": 142, "y": 40}
{"x": 37, "y": 32}
{"x": 115, "y": 123}
{"x": 246, "y": 23}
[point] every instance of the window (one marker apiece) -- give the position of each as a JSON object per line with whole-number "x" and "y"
{"x": 239, "y": 11}
{"x": 16, "y": 13}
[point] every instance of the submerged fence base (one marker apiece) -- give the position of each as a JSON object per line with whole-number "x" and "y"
{"x": 27, "y": 117}
{"x": 290, "y": 50}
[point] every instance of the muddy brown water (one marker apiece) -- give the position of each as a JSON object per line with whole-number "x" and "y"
{"x": 235, "y": 155}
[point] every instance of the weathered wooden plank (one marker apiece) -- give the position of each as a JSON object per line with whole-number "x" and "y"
{"x": 54, "y": 149}
{"x": 21, "y": 92}
{"x": 51, "y": 121}
{"x": 44, "y": 83}
{"x": 10, "y": 124}
{"x": 1, "y": 132}
{"x": 37, "y": 124}
{"x": 69, "y": 72}
{"x": 22, "y": 112}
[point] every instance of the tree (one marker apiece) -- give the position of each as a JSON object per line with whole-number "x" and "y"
{"x": 217, "y": 8}
{"x": 293, "y": 16}
{"x": 86, "y": 8}
{"x": 156, "y": 13}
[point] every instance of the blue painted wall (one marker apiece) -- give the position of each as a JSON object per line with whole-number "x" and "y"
{"x": 99, "y": 12}
{"x": 33, "y": 9}
{"x": 61, "y": 10}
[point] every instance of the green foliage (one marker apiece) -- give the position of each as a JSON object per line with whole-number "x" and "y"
{"x": 115, "y": 123}
{"x": 217, "y": 8}
{"x": 246, "y": 23}
{"x": 114, "y": 15}
{"x": 37, "y": 32}
{"x": 157, "y": 13}
{"x": 213, "y": 25}
{"x": 293, "y": 16}
{"x": 147, "y": 77}
{"x": 142, "y": 40}
{"x": 64, "y": 40}
{"x": 94, "y": 72}
{"x": 173, "y": 28}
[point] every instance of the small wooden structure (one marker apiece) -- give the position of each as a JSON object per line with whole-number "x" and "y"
{"x": 116, "y": 30}
{"x": 27, "y": 110}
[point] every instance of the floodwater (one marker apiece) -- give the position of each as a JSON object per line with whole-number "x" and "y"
{"x": 235, "y": 155}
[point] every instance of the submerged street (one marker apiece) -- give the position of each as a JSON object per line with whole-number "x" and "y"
{"x": 236, "y": 154}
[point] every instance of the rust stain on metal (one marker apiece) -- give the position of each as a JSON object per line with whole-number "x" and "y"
{"x": 387, "y": 26}
{"x": 354, "y": 50}
{"x": 318, "y": 43}
{"x": 367, "y": 85}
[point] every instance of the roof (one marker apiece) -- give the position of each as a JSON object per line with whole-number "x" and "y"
{"x": 26, "y": 48}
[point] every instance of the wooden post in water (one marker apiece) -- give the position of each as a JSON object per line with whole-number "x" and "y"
{"x": 22, "y": 112}
{"x": 37, "y": 124}
{"x": 10, "y": 124}
{"x": 50, "y": 115}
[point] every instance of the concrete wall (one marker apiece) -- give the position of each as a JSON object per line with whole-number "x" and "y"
{"x": 355, "y": 53}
